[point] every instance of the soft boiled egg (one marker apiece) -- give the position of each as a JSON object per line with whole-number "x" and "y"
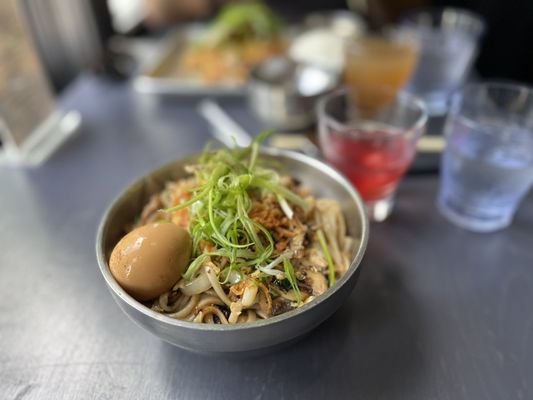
{"x": 150, "y": 259}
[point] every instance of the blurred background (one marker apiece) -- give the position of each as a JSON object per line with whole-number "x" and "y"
{"x": 46, "y": 44}
{"x": 92, "y": 35}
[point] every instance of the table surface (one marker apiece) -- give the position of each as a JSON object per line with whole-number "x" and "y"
{"x": 438, "y": 312}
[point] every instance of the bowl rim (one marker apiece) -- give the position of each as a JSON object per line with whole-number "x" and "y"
{"x": 355, "y": 263}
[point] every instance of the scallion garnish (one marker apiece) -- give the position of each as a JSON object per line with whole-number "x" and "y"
{"x": 220, "y": 206}
{"x": 327, "y": 254}
{"x": 291, "y": 277}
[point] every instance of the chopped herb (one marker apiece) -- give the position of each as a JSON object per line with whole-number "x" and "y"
{"x": 327, "y": 254}
{"x": 221, "y": 206}
{"x": 289, "y": 272}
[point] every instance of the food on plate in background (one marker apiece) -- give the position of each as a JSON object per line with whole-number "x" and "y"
{"x": 262, "y": 245}
{"x": 320, "y": 47}
{"x": 240, "y": 37}
{"x": 322, "y": 41}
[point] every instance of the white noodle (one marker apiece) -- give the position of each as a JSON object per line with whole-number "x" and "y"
{"x": 189, "y": 317}
{"x": 163, "y": 302}
{"x": 199, "y": 317}
{"x": 187, "y": 309}
{"x": 209, "y": 301}
{"x": 210, "y": 310}
{"x": 212, "y": 276}
{"x": 182, "y": 301}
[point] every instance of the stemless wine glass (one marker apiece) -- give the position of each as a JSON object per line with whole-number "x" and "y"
{"x": 448, "y": 40}
{"x": 372, "y": 146}
{"x": 385, "y": 60}
{"x": 487, "y": 167}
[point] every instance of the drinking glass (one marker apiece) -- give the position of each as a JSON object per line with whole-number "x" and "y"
{"x": 386, "y": 60}
{"x": 448, "y": 41}
{"x": 487, "y": 166}
{"x": 372, "y": 146}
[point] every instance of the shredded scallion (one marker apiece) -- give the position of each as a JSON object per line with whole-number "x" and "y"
{"x": 327, "y": 254}
{"x": 291, "y": 277}
{"x": 220, "y": 206}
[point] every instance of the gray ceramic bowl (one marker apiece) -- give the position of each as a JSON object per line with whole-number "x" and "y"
{"x": 243, "y": 338}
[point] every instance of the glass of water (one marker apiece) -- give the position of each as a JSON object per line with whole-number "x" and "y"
{"x": 487, "y": 166}
{"x": 448, "y": 41}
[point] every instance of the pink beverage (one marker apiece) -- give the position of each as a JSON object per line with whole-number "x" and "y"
{"x": 372, "y": 146}
{"x": 373, "y": 156}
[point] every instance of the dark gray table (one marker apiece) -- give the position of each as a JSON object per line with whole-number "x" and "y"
{"x": 438, "y": 313}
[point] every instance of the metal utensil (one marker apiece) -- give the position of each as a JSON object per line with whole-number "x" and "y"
{"x": 230, "y": 133}
{"x": 223, "y": 127}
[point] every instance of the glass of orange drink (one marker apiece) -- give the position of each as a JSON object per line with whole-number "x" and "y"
{"x": 386, "y": 61}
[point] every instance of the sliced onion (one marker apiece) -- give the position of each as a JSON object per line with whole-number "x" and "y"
{"x": 261, "y": 314}
{"x": 279, "y": 259}
{"x": 234, "y": 277}
{"x": 197, "y": 285}
{"x": 251, "y": 316}
{"x": 248, "y": 297}
{"x": 271, "y": 271}
{"x": 275, "y": 262}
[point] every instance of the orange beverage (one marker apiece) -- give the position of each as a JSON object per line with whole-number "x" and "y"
{"x": 378, "y": 61}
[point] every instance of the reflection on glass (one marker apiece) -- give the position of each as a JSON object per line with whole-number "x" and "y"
{"x": 25, "y": 97}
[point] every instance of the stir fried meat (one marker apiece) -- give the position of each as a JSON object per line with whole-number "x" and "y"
{"x": 287, "y": 233}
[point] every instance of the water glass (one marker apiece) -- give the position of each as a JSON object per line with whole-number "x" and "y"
{"x": 448, "y": 41}
{"x": 372, "y": 146}
{"x": 487, "y": 166}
